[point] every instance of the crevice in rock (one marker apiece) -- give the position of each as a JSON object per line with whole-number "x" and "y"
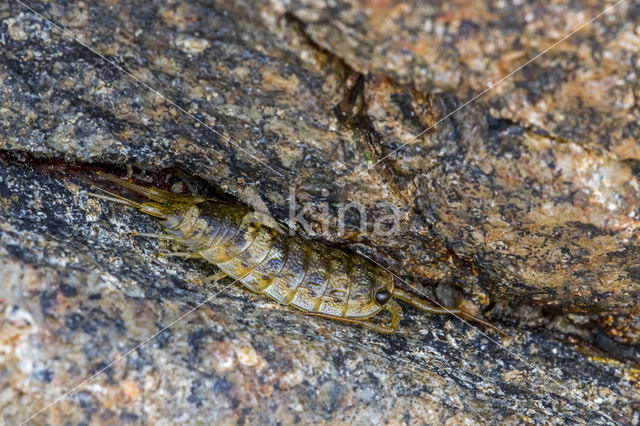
{"x": 351, "y": 111}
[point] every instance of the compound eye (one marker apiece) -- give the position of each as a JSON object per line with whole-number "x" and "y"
{"x": 382, "y": 296}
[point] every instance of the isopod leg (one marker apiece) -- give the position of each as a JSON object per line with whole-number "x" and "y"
{"x": 187, "y": 254}
{"x": 396, "y": 314}
{"x": 216, "y": 277}
{"x": 150, "y": 235}
{"x": 365, "y": 323}
{"x": 392, "y": 306}
{"x": 428, "y": 307}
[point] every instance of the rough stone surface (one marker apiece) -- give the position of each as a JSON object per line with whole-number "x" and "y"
{"x": 543, "y": 220}
{"x": 272, "y": 95}
{"x": 585, "y": 89}
{"x": 78, "y": 292}
{"x": 529, "y": 196}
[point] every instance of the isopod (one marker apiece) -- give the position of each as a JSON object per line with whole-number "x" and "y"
{"x": 317, "y": 279}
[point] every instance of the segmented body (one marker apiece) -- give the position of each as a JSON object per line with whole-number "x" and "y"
{"x": 290, "y": 269}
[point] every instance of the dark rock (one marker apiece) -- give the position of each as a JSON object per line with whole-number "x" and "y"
{"x": 521, "y": 197}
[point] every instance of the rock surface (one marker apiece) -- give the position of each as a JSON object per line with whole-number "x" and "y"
{"x": 542, "y": 219}
{"x": 529, "y": 195}
{"x": 585, "y": 89}
{"x": 78, "y": 293}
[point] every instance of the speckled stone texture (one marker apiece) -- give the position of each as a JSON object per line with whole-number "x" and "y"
{"x": 527, "y": 197}
{"x": 584, "y": 90}
{"x": 78, "y": 292}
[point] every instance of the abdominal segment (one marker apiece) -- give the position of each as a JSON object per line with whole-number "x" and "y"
{"x": 292, "y": 270}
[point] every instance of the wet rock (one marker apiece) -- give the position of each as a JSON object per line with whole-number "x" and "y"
{"x": 78, "y": 293}
{"x": 520, "y": 197}
{"x": 261, "y": 102}
{"x": 546, "y": 220}
{"x": 262, "y": 110}
{"x": 584, "y": 89}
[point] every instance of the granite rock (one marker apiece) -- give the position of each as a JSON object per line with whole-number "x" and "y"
{"x": 584, "y": 88}
{"x": 257, "y": 107}
{"x": 520, "y": 199}
{"x": 78, "y": 293}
